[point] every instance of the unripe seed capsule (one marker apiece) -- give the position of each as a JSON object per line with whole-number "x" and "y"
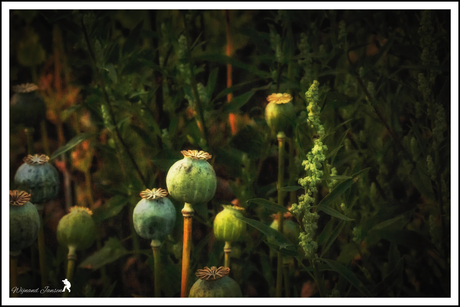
{"x": 26, "y": 106}
{"x": 24, "y": 221}
{"x": 226, "y": 226}
{"x": 214, "y": 282}
{"x": 154, "y": 216}
{"x": 38, "y": 177}
{"x": 280, "y": 113}
{"x": 192, "y": 180}
{"x": 77, "y": 229}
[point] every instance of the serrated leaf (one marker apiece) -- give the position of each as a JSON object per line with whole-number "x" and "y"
{"x": 272, "y": 206}
{"x": 272, "y": 234}
{"x": 347, "y": 274}
{"x": 292, "y": 188}
{"x": 111, "y": 208}
{"x": 71, "y": 144}
{"x": 112, "y": 250}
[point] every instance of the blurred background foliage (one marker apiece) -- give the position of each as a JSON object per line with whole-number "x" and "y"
{"x": 126, "y": 91}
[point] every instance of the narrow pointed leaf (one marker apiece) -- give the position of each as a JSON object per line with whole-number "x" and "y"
{"x": 268, "y": 204}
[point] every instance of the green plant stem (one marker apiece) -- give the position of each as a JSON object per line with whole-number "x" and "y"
{"x": 14, "y": 272}
{"x": 279, "y": 273}
{"x": 41, "y": 247}
{"x": 103, "y": 270}
{"x": 292, "y": 171}
{"x": 71, "y": 259}
{"x": 134, "y": 235}
{"x": 187, "y": 213}
{"x": 44, "y": 132}
{"x": 318, "y": 279}
{"x": 112, "y": 115}
{"x": 227, "y": 252}
{"x": 88, "y": 188}
{"x": 155, "y": 244}
{"x": 194, "y": 85}
{"x": 286, "y": 278}
{"x": 30, "y": 142}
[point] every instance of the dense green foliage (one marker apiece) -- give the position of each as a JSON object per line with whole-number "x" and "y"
{"x": 367, "y": 162}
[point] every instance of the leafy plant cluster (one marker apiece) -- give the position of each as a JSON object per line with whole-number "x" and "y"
{"x": 367, "y": 180}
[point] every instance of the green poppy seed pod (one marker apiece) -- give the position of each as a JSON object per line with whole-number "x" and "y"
{"x": 280, "y": 113}
{"x": 154, "y": 216}
{"x": 192, "y": 180}
{"x": 290, "y": 230}
{"x": 24, "y": 221}
{"x": 77, "y": 229}
{"x": 37, "y": 177}
{"x": 214, "y": 282}
{"x": 226, "y": 226}
{"x": 26, "y": 106}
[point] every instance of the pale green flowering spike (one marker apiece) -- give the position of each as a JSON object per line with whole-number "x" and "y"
{"x": 430, "y": 167}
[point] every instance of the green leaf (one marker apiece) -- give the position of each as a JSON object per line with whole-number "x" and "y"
{"x": 387, "y": 223}
{"x": 111, "y": 208}
{"x": 347, "y": 274}
{"x": 238, "y": 102}
{"x": 234, "y": 62}
{"x": 337, "y": 230}
{"x": 335, "y": 194}
{"x": 335, "y": 213}
{"x": 355, "y": 175}
{"x": 292, "y": 188}
{"x": 272, "y": 234}
{"x": 338, "y": 177}
{"x": 389, "y": 280}
{"x": 71, "y": 144}
{"x": 333, "y": 152}
{"x": 326, "y": 233}
{"x": 112, "y": 250}
{"x": 232, "y": 89}
{"x": 272, "y": 206}
{"x": 132, "y": 39}
{"x": 112, "y": 72}
{"x": 212, "y": 80}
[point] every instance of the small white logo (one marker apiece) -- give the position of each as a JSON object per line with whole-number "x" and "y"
{"x": 66, "y": 285}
